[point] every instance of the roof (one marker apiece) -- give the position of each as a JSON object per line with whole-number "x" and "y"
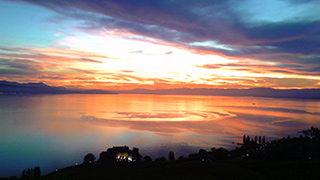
{"x": 119, "y": 149}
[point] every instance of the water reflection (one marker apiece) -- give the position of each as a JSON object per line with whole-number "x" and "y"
{"x": 58, "y": 130}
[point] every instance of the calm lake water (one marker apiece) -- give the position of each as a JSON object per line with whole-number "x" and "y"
{"x": 55, "y": 131}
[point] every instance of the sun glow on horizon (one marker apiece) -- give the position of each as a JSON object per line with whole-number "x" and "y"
{"x": 145, "y": 61}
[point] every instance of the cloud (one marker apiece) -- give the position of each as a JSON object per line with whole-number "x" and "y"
{"x": 249, "y": 27}
{"x": 306, "y": 69}
{"x": 284, "y": 34}
{"x": 52, "y": 66}
{"x": 19, "y": 67}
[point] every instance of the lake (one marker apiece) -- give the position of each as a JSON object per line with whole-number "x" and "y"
{"x": 55, "y": 131}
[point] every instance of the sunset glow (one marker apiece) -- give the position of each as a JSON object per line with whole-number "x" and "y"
{"x": 114, "y": 45}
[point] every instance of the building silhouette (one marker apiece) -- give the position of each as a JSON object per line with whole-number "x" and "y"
{"x": 119, "y": 154}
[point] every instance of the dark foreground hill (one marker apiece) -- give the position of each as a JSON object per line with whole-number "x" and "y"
{"x": 14, "y": 88}
{"x": 191, "y": 170}
{"x": 228, "y": 169}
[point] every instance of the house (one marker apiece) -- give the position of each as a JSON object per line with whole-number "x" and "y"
{"x": 119, "y": 154}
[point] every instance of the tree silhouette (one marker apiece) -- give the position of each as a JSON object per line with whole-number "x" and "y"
{"x": 135, "y": 153}
{"x": 160, "y": 159}
{"x": 244, "y": 139}
{"x": 36, "y": 172}
{"x": 313, "y": 132}
{"x": 31, "y": 173}
{"x": 181, "y": 158}
{"x": 171, "y": 156}
{"x": 202, "y": 152}
{"x": 23, "y": 174}
{"x": 147, "y": 158}
{"x": 89, "y": 158}
{"x": 259, "y": 139}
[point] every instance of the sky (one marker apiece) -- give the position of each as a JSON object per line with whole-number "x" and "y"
{"x": 134, "y": 44}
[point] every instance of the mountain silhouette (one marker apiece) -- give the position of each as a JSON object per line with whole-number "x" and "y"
{"x": 254, "y": 92}
{"x": 14, "y": 88}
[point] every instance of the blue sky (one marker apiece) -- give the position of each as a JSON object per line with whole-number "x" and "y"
{"x": 24, "y": 24}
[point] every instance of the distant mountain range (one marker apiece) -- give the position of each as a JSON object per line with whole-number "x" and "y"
{"x": 14, "y": 88}
{"x": 255, "y": 92}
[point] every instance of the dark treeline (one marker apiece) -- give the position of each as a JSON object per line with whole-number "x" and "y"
{"x": 286, "y": 158}
{"x": 304, "y": 147}
{"x": 31, "y": 173}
